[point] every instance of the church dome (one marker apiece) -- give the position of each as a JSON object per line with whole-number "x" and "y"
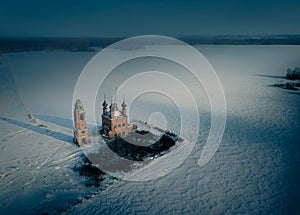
{"x": 123, "y": 105}
{"x": 104, "y": 104}
{"x": 117, "y": 113}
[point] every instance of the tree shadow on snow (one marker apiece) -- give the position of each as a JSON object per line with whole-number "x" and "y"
{"x": 271, "y": 76}
{"x": 294, "y": 93}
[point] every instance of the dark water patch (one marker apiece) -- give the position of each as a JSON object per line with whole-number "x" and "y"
{"x": 140, "y": 147}
{"x": 94, "y": 176}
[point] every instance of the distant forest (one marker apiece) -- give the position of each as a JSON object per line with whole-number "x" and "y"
{"x": 92, "y": 44}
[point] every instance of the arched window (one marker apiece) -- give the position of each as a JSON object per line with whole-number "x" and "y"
{"x": 82, "y": 116}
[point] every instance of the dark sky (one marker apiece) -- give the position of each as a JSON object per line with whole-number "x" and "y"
{"x": 109, "y": 18}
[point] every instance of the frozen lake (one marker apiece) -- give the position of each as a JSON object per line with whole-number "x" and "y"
{"x": 255, "y": 170}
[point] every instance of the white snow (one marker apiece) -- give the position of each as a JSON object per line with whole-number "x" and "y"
{"x": 255, "y": 170}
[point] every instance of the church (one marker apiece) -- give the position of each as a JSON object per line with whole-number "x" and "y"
{"x": 114, "y": 124}
{"x": 115, "y": 121}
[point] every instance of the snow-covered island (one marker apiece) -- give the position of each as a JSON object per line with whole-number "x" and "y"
{"x": 122, "y": 138}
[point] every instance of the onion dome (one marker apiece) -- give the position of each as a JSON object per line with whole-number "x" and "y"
{"x": 123, "y": 104}
{"x": 104, "y": 104}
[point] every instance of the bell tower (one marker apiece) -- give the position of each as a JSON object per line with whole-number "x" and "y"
{"x": 81, "y": 134}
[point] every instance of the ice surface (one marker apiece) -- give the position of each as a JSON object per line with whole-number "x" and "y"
{"x": 255, "y": 170}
